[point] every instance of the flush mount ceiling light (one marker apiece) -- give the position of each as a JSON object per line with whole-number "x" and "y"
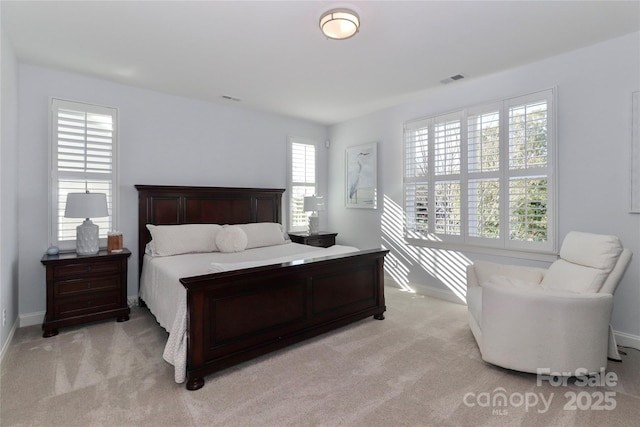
{"x": 339, "y": 24}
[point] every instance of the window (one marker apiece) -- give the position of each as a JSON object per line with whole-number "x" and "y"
{"x": 484, "y": 176}
{"x": 302, "y": 181}
{"x": 83, "y": 158}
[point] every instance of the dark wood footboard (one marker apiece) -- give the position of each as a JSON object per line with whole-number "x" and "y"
{"x": 238, "y": 315}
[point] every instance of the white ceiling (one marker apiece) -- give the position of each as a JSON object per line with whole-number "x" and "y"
{"x": 272, "y": 56}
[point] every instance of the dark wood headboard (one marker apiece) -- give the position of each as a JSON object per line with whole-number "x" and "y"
{"x": 172, "y": 205}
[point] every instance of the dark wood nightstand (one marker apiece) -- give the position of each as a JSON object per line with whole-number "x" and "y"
{"x": 322, "y": 239}
{"x": 84, "y": 288}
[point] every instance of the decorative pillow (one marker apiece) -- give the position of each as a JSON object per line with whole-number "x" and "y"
{"x": 263, "y": 234}
{"x": 183, "y": 239}
{"x": 231, "y": 238}
{"x": 565, "y": 276}
{"x": 591, "y": 250}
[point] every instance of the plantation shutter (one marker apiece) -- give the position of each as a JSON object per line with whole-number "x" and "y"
{"x": 416, "y": 176}
{"x": 483, "y": 176}
{"x": 303, "y": 181}
{"x": 483, "y": 197}
{"x": 528, "y": 171}
{"x": 447, "y": 179}
{"x": 83, "y": 159}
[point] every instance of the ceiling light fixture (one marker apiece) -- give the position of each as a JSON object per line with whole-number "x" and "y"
{"x": 339, "y": 24}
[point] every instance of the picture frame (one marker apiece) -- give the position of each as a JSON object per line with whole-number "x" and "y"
{"x": 635, "y": 154}
{"x": 361, "y": 176}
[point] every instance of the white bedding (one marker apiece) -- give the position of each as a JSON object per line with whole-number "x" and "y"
{"x": 165, "y": 296}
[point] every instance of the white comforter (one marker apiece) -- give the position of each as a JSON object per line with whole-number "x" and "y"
{"x": 165, "y": 296}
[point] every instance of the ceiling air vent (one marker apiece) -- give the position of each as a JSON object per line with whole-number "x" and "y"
{"x": 452, "y": 78}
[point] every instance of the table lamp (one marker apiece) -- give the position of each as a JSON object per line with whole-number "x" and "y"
{"x": 86, "y": 205}
{"x": 313, "y": 204}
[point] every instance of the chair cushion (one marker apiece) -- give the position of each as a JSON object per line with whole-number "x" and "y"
{"x": 514, "y": 282}
{"x": 566, "y": 276}
{"x": 486, "y": 271}
{"x": 591, "y": 250}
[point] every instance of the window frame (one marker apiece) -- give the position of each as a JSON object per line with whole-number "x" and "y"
{"x": 465, "y": 241}
{"x": 55, "y": 175}
{"x": 291, "y": 183}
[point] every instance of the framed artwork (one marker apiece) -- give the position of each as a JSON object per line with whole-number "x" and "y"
{"x": 361, "y": 176}
{"x": 635, "y": 155}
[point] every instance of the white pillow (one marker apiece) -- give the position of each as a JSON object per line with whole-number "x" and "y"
{"x": 183, "y": 239}
{"x": 231, "y": 239}
{"x": 263, "y": 234}
{"x": 565, "y": 276}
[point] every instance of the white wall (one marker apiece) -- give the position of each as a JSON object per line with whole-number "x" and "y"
{"x": 163, "y": 139}
{"x": 8, "y": 189}
{"x": 594, "y": 121}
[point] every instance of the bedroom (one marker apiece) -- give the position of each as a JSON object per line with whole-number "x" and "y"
{"x": 594, "y": 83}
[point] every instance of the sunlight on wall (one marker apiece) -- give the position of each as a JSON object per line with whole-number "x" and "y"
{"x": 449, "y": 267}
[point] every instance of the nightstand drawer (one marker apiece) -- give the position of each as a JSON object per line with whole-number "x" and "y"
{"x": 69, "y": 307}
{"x": 81, "y": 286}
{"x": 75, "y": 270}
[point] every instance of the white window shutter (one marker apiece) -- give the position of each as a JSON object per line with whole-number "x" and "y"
{"x": 483, "y": 176}
{"x": 483, "y": 187}
{"x": 302, "y": 181}
{"x": 83, "y": 147}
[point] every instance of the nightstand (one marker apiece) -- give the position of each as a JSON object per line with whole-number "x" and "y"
{"x": 85, "y": 288}
{"x": 322, "y": 239}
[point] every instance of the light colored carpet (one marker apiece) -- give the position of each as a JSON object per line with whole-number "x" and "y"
{"x": 418, "y": 367}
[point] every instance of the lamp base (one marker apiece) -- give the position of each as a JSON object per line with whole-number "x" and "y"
{"x": 87, "y": 238}
{"x": 314, "y": 224}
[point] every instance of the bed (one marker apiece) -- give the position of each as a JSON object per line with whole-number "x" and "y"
{"x": 236, "y": 311}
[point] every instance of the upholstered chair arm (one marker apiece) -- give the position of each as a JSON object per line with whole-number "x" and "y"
{"x": 483, "y": 271}
{"x": 472, "y": 277}
{"x": 559, "y": 331}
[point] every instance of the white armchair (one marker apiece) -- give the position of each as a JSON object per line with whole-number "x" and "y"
{"x": 526, "y": 318}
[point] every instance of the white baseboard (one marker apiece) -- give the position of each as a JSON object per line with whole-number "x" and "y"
{"x": 31, "y": 319}
{"x": 440, "y": 294}
{"x": 8, "y": 341}
{"x": 426, "y": 290}
{"x": 627, "y": 340}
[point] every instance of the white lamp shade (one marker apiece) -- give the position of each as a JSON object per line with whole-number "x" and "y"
{"x": 86, "y": 205}
{"x": 313, "y": 203}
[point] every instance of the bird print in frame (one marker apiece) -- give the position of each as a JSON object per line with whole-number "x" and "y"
{"x": 361, "y": 176}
